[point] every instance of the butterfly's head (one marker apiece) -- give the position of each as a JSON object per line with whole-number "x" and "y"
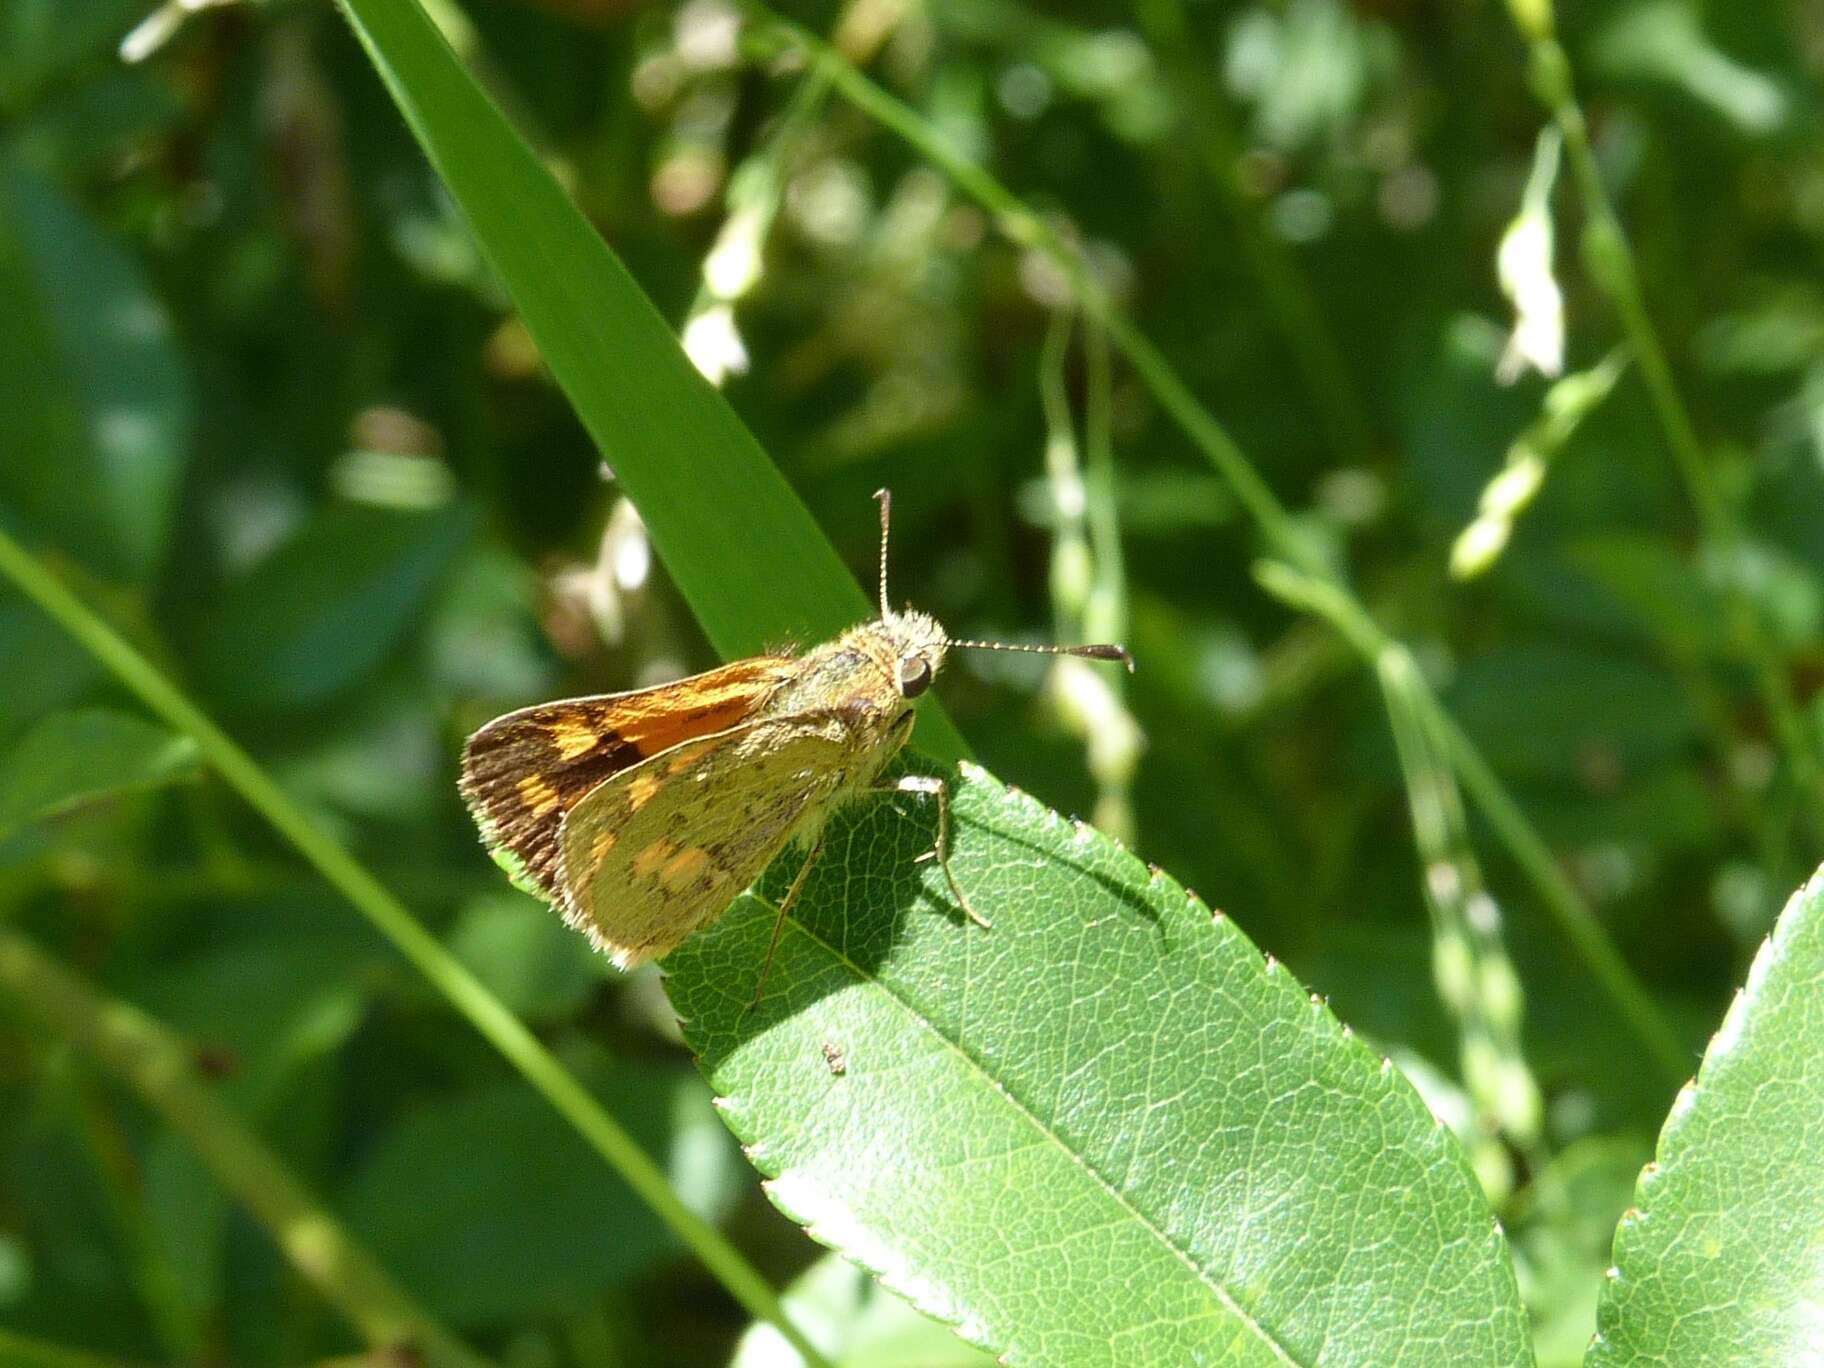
{"x": 916, "y": 641}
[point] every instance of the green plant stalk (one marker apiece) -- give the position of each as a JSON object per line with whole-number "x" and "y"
{"x": 1535, "y": 859}
{"x": 1277, "y": 526}
{"x": 154, "y": 1063}
{"x": 1109, "y": 613}
{"x": 426, "y": 953}
{"x": 1070, "y": 575}
{"x": 173, "y": 1321}
{"x": 1613, "y": 265}
{"x": 1085, "y": 598}
{"x": 1027, "y": 229}
{"x": 1106, "y": 619}
{"x": 1352, "y": 622}
{"x": 757, "y": 185}
{"x": 18, "y": 1351}
{"x": 1290, "y": 300}
{"x": 1476, "y": 978}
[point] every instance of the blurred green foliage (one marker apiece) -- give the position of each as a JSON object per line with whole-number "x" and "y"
{"x": 265, "y": 406}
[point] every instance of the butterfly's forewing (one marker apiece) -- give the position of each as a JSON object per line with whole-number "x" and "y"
{"x": 660, "y": 850}
{"x": 523, "y": 772}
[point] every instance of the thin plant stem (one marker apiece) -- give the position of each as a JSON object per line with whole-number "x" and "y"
{"x": 1116, "y": 741}
{"x": 1612, "y": 264}
{"x": 153, "y": 1062}
{"x": 755, "y": 192}
{"x": 1328, "y": 600}
{"x": 1291, "y": 302}
{"x": 1475, "y": 977}
{"x": 1087, "y": 593}
{"x": 1108, "y": 610}
{"x": 1277, "y": 526}
{"x": 172, "y": 1319}
{"x": 506, "y": 1032}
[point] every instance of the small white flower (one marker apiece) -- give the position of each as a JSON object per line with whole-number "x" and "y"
{"x": 1524, "y": 266}
{"x": 713, "y": 344}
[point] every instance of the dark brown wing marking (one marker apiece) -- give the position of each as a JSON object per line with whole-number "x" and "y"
{"x": 522, "y": 772}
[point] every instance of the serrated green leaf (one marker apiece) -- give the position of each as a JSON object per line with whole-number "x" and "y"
{"x": 1721, "y": 1259}
{"x": 72, "y": 757}
{"x": 1103, "y": 1131}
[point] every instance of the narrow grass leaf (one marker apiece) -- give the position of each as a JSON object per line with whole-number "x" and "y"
{"x": 742, "y": 548}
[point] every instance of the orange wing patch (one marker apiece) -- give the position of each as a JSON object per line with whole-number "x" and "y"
{"x": 521, "y": 773}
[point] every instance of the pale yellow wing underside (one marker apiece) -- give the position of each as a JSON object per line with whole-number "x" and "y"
{"x": 661, "y": 849}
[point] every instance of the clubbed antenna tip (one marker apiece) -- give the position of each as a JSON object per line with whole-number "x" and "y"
{"x": 1093, "y": 651}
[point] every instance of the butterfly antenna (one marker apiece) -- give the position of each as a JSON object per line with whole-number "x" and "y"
{"x": 885, "y": 498}
{"x": 1096, "y": 651}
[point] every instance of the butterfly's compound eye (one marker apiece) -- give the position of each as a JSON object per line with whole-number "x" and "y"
{"x": 914, "y": 676}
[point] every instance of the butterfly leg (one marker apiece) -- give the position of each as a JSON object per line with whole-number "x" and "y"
{"x": 785, "y": 906}
{"x": 934, "y": 787}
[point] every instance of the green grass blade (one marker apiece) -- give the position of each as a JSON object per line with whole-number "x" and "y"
{"x": 459, "y": 986}
{"x": 1102, "y": 1131}
{"x": 1717, "y": 1262}
{"x": 158, "y": 1066}
{"x": 742, "y": 548}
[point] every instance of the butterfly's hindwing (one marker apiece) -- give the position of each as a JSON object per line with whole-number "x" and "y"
{"x": 645, "y": 874}
{"x": 523, "y": 772}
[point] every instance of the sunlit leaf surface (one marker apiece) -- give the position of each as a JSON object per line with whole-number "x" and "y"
{"x": 1106, "y": 1130}
{"x": 1721, "y": 1259}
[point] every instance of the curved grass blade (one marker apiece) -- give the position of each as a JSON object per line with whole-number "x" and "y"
{"x": 466, "y": 993}
{"x": 1104, "y": 1131}
{"x": 743, "y": 550}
